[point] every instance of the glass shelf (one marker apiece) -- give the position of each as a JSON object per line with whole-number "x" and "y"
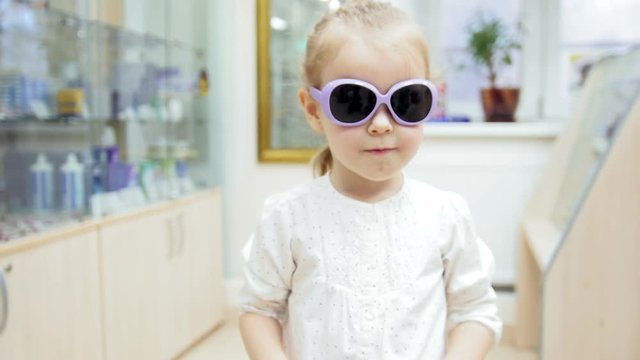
{"x": 129, "y": 107}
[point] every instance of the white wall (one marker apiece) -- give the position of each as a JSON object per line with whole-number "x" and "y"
{"x": 232, "y": 52}
{"x": 494, "y": 167}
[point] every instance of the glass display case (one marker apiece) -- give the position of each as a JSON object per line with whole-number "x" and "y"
{"x": 94, "y": 119}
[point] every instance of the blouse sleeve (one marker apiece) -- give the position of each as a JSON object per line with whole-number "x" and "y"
{"x": 468, "y": 267}
{"x": 268, "y": 264}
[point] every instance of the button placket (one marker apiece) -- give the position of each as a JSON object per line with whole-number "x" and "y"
{"x": 371, "y": 271}
{"x": 367, "y": 306}
{"x": 370, "y": 312}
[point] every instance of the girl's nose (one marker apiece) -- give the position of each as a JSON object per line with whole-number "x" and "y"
{"x": 381, "y": 123}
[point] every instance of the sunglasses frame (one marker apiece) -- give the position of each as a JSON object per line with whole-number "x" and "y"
{"x": 323, "y": 97}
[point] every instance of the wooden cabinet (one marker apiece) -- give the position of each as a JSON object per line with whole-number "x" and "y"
{"x": 203, "y": 254}
{"x": 578, "y": 285}
{"x": 52, "y": 301}
{"x": 143, "y": 285}
{"x": 134, "y": 260}
{"x": 162, "y": 276}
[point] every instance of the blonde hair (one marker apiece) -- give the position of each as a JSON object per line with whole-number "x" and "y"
{"x": 378, "y": 21}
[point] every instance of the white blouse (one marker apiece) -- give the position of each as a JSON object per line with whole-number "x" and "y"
{"x": 354, "y": 280}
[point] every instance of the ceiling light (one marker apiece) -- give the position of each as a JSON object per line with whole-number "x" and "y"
{"x": 278, "y": 23}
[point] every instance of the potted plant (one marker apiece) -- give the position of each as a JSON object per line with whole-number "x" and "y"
{"x": 491, "y": 45}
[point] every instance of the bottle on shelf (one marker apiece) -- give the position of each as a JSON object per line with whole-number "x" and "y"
{"x": 42, "y": 183}
{"x": 70, "y": 99}
{"x": 72, "y": 184}
{"x": 203, "y": 83}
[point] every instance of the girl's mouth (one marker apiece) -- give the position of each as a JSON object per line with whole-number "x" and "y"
{"x": 380, "y": 151}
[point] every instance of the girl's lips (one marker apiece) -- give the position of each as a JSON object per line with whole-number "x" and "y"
{"x": 379, "y": 151}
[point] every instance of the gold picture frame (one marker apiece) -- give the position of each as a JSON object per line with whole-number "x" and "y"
{"x": 283, "y": 134}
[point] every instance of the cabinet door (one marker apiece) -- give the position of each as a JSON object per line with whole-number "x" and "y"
{"x": 136, "y": 255}
{"x": 162, "y": 278}
{"x": 52, "y": 297}
{"x": 203, "y": 247}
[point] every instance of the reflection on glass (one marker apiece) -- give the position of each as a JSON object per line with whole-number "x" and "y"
{"x": 123, "y": 114}
{"x": 291, "y": 23}
{"x": 611, "y": 90}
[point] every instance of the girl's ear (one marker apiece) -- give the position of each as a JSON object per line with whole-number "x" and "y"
{"x": 312, "y": 110}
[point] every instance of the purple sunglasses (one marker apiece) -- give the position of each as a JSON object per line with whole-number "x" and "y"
{"x": 351, "y": 102}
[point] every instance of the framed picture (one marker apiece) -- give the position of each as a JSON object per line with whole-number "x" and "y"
{"x": 283, "y": 27}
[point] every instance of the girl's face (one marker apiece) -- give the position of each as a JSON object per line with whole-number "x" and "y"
{"x": 379, "y": 149}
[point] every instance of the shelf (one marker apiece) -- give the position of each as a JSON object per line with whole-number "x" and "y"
{"x": 543, "y": 239}
{"x": 61, "y": 121}
{"x": 66, "y": 226}
{"x": 48, "y": 235}
{"x": 51, "y": 122}
{"x": 531, "y": 129}
{"x": 62, "y": 63}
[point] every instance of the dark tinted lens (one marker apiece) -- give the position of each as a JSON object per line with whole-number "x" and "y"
{"x": 351, "y": 103}
{"x": 412, "y": 102}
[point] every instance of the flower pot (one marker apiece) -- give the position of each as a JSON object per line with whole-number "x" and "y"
{"x": 500, "y": 104}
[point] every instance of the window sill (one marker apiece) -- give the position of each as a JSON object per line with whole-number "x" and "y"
{"x": 543, "y": 129}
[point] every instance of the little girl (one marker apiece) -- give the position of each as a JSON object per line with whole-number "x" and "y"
{"x": 364, "y": 262}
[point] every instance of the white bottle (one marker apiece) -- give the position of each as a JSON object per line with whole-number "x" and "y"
{"x": 42, "y": 183}
{"x": 72, "y": 184}
{"x": 108, "y": 136}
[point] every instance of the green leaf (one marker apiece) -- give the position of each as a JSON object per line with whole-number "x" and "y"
{"x": 490, "y": 43}
{"x": 506, "y": 59}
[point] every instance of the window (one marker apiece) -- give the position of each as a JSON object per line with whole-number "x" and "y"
{"x": 560, "y": 38}
{"x": 588, "y": 32}
{"x": 456, "y": 68}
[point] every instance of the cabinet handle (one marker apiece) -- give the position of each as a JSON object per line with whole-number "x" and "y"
{"x": 4, "y": 302}
{"x": 181, "y": 239}
{"x": 170, "y": 237}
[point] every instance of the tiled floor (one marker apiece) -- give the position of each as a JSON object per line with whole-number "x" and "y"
{"x": 225, "y": 344}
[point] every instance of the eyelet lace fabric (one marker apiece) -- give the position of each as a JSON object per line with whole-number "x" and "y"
{"x": 354, "y": 280}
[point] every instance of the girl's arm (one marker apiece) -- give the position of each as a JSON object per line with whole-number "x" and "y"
{"x": 472, "y": 315}
{"x": 262, "y": 337}
{"x": 469, "y": 341}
